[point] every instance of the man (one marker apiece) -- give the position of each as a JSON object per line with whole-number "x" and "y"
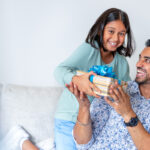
{"x": 122, "y": 123}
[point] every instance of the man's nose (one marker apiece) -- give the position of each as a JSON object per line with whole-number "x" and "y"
{"x": 140, "y": 63}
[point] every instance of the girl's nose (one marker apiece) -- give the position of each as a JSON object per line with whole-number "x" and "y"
{"x": 115, "y": 37}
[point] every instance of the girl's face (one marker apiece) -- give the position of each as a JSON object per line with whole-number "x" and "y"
{"x": 114, "y": 35}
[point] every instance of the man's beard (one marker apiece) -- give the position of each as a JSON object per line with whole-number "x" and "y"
{"x": 141, "y": 82}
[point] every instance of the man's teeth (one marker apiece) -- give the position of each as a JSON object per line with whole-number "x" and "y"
{"x": 140, "y": 71}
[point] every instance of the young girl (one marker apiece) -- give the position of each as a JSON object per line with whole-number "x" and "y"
{"x": 104, "y": 45}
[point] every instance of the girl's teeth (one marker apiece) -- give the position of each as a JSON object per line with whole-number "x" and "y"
{"x": 113, "y": 44}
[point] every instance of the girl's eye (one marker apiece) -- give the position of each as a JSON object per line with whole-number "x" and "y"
{"x": 122, "y": 34}
{"x": 111, "y": 31}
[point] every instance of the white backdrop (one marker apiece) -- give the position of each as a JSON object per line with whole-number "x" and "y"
{"x": 36, "y": 35}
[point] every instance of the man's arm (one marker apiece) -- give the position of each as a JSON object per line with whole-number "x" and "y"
{"x": 83, "y": 129}
{"x": 140, "y": 136}
{"x": 121, "y": 104}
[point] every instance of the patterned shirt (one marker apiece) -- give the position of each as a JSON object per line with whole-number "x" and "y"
{"x": 109, "y": 131}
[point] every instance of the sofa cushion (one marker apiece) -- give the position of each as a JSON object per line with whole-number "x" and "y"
{"x": 31, "y": 107}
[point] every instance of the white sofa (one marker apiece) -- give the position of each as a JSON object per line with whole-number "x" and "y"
{"x": 31, "y": 107}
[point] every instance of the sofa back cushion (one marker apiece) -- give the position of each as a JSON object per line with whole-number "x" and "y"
{"x": 31, "y": 107}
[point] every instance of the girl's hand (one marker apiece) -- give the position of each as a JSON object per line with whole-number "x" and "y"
{"x": 84, "y": 85}
{"x": 121, "y": 101}
{"x": 81, "y": 97}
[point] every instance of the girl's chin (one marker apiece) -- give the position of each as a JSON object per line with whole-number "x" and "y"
{"x": 112, "y": 48}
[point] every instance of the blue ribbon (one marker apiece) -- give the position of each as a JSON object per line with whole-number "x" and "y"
{"x": 103, "y": 71}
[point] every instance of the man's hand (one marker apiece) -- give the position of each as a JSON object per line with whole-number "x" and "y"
{"x": 82, "y": 130}
{"x": 121, "y": 101}
{"x": 84, "y": 85}
{"x": 80, "y": 96}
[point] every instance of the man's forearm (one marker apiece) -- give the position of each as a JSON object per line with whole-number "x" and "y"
{"x": 83, "y": 128}
{"x": 140, "y": 136}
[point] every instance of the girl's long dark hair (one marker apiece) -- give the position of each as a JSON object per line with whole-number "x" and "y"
{"x": 96, "y": 32}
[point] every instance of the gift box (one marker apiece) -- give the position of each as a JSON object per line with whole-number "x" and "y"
{"x": 103, "y": 83}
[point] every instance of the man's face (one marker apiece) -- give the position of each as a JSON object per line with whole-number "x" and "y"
{"x": 143, "y": 67}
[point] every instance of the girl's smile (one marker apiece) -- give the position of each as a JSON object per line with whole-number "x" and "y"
{"x": 114, "y": 35}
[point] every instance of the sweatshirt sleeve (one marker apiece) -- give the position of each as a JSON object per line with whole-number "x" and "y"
{"x": 77, "y": 61}
{"x": 122, "y": 68}
{"x": 126, "y": 71}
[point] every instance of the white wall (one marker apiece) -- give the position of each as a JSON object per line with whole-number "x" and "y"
{"x": 36, "y": 35}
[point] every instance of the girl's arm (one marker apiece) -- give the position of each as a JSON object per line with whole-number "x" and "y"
{"x": 79, "y": 60}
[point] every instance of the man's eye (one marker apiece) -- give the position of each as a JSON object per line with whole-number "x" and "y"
{"x": 147, "y": 61}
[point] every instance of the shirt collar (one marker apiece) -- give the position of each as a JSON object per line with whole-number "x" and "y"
{"x": 133, "y": 88}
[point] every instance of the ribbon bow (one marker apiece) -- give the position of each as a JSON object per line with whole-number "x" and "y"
{"x": 102, "y": 71}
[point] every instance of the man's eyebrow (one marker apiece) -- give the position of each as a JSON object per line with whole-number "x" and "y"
{"x": 147, "y": 57}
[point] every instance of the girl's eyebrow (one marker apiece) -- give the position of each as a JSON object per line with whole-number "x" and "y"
{"x": 114, "y": 29}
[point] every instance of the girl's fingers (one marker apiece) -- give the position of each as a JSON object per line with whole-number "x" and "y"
{"x": 91, "y": 73}
{"x": 69, "y": 87}
{"x": 90, "y": 91}
{"x": 94, "y": 87}
{"x": 76, "y": 91}
{"x": 81, "y": 96}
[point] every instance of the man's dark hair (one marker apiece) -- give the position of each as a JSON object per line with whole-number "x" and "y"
{"x": 147, "y": 44}
{"x": 95, "y": 35}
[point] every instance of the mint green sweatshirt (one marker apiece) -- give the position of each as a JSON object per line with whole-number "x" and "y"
{"x": 83, "y": 58}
